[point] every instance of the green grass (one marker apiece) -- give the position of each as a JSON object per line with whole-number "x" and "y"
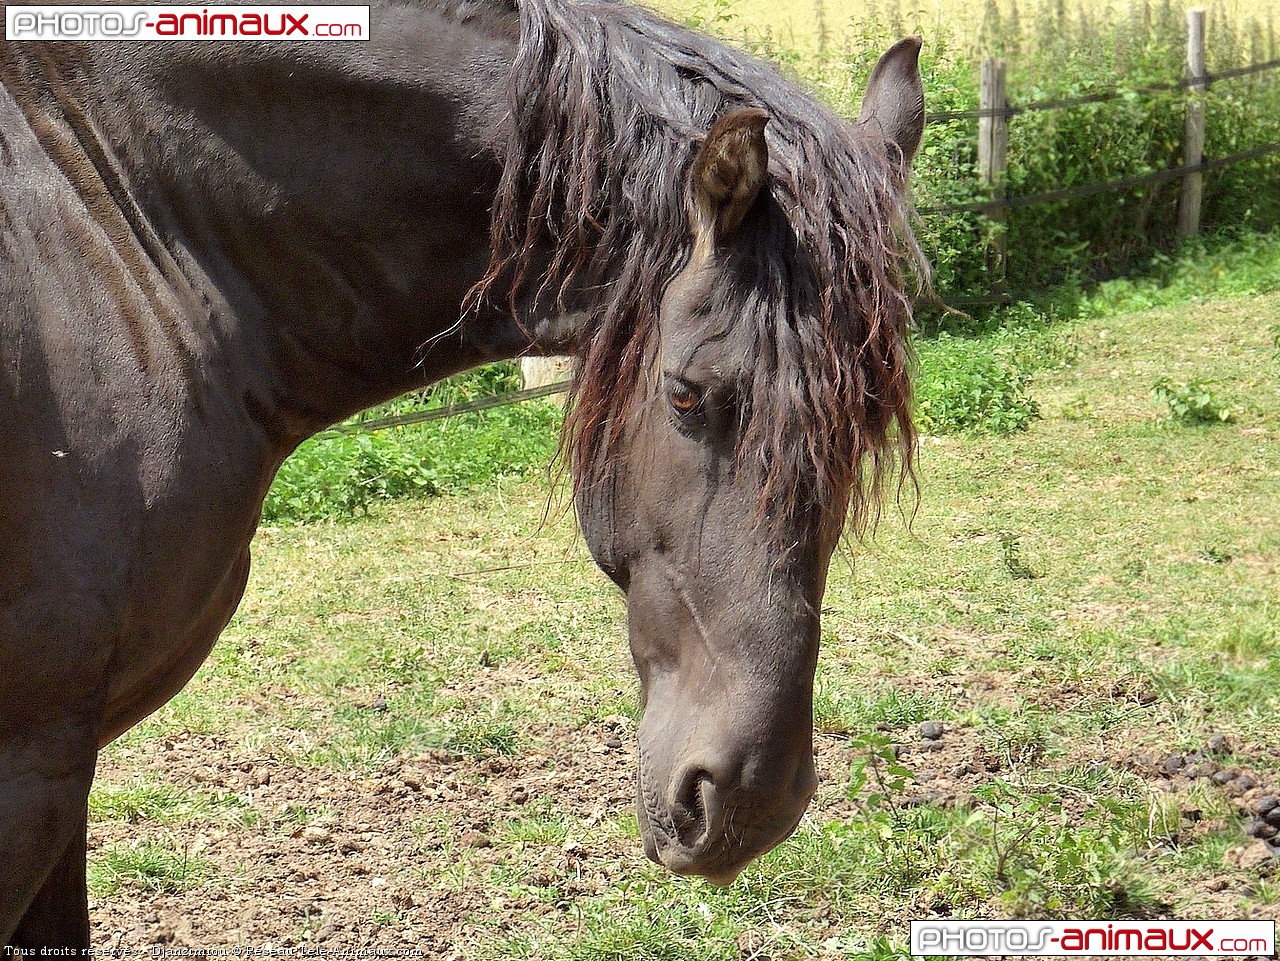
{"x": 148, "y": 867}
{"x": 159, "y": 803}
{"x": 841, "y": 709}
{"x": 1097, "y": 584}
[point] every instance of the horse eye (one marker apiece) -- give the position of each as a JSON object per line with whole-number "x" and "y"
{"x": 684, "y": 398}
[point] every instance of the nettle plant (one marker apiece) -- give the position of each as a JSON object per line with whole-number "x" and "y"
{"x": 1192, "y": 402}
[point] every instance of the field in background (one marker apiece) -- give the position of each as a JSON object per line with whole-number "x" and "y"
{"x": 810, "y": 25}
{"x": 418, "y": 731}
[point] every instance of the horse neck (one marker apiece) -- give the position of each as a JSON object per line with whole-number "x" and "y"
{"x": 314, "y": 202}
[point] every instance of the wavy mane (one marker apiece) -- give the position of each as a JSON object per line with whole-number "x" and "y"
{"x": 608, "y": 103}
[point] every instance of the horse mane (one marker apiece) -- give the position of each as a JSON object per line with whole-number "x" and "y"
{"x": 608, "y": 103}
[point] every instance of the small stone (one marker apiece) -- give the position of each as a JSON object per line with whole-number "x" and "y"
{"x": 1265, "y": 804}
{"x": 928, "y": 747}
{"x": 613, "y": 743}
{"x": 314, "y": 834}
{"x": 1245, "y": 782}
{"x": 1261, "y": 829}
{"x": 1203, "y": 769}
{"x": 1233, "y": 788}
{"x": 474, "y": 839}
{"x": 1250, "y": 857}
{"x": 1222, "y": 777}
{"x": 1272, "y": 817}
{"x": 380, "y": 704}
{"x": 1218, "y": 745}
{"x": 1173, "y": 764}
{"x": 350, "y": 846}
{"x": 931, "y": 730}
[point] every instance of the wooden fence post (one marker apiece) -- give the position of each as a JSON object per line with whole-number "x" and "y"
{"x": 540, "y": 371}
{"x": 1193, "y": 136}
{"x": 993, "y": 144}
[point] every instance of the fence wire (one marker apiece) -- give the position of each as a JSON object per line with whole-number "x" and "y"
{"x": 440, "y": 413}
{"x": 1101, "y": 96}
{"x": 1106, "y": 186}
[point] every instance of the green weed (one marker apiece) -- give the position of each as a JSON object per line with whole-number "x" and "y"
{"x": 147, "y": 867}
{"x": 966, "y": 386}
{"x": 166, "y": 804}
{"x": 333, "y": 477}
{"x": 1193, "y": 402}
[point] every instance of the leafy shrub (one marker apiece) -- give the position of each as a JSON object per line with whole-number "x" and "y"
{"x": 971, "y": 387}
{"x": 342, "y": 475}
{"x": 1192, "y": 402}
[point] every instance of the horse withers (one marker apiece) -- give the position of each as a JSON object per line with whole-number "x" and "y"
{"x": 210, "y": 251}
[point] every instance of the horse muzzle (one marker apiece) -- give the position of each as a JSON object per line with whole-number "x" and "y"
{"x": 711, "y": 820}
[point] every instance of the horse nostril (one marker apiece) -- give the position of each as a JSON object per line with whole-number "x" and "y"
{"x": 689, "y": 807}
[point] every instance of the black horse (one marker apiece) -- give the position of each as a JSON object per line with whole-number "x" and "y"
{"x": 210, "y": 251}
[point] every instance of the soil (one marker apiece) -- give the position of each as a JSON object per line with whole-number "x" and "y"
{"x": 381, "y": 860}
{"x": 376, "y": 867}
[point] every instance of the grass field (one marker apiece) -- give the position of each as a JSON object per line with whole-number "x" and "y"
{"x": 805, "y": 26}
{"x": 418, "y": 730}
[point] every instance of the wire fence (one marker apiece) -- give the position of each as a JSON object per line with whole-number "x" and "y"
{"x": 1106, "y": 186}
{"x": 992, "y": 205}
{"x": 1102, "y": 96}
{"x": 1013, "y": 202}
{"x": 449, "y": 410}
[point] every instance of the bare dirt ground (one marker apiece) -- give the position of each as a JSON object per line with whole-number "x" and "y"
{"x": 386, "y": 860}
{"x": 374, "y": 868}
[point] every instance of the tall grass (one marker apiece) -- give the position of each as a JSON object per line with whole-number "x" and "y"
{"x": 1053, "y": 49}
{"x": 817, "y": 26}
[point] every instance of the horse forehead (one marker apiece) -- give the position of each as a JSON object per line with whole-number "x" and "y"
{"x": 713, "y": 345}
{"x": 704, "y": 322}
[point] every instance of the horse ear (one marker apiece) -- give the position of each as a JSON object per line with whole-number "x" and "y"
{"x": 894, "y": 100}
{"x": 728, "y": 172}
